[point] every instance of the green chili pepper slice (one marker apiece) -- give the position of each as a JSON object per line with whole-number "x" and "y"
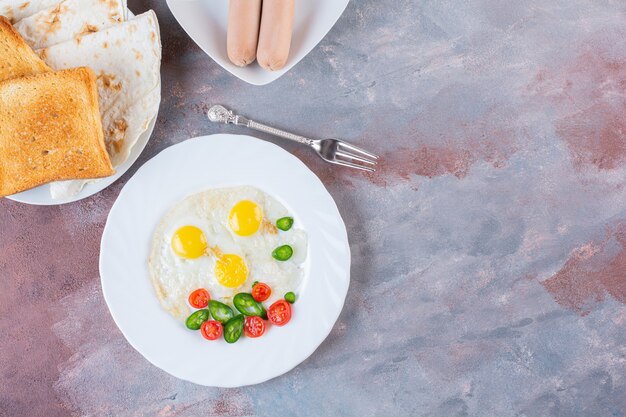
{"x": 282, "y": 253}
{"x": 247, "y": 305}
{"x": 195, "y": 320}
{"x": 290, "y": 297}
{"x": 233, "y": 329}
{"x": 220, "y": 311}
{"x": 284, "y": 223}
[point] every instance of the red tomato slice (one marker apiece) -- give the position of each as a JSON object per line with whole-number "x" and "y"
{"x": 254, "y": 326}
{"x": 279, "y": 313}
{"x": 199, "y": 298}
{"x": 211, "y": 329}
{"x": 261, "y": 292}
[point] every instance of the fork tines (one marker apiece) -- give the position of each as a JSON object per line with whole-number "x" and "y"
{"x": 355, "y": 157}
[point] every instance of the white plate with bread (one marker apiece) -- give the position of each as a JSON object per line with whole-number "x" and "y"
{"x": 79, "y": 93}
{"x": 276, "y": 34}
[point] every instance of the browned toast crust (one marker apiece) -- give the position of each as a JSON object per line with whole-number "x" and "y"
{"x": 16, "y": 57}
{"x": 50, "y": 130}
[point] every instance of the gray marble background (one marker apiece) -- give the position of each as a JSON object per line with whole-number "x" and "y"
{"x": 489, "y": 250}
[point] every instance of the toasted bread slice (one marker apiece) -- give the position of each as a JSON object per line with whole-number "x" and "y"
{"x": 50, "y": 129}
{"x": 16, "y": 57}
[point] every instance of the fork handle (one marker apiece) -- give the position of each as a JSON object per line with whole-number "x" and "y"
{"x": 278, "y": 132}
{"x": 219, "y": 113}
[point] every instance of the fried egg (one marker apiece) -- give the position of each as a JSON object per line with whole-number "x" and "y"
{"x": 222, "y": 240}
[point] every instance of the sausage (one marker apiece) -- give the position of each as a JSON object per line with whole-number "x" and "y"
{"x": 275, "y": 34}
{"x": 244, "y": 18}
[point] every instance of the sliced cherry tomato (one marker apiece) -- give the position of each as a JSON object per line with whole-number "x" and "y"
{"x": 199, "y": 298}
{"x": 261, "y": 292}
{"x": 279, "y": 313}
{"x": 254, "y": 326}
{"x": 211, "y": 329}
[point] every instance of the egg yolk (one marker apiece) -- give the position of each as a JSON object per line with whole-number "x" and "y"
{"x": 245, "y": 218}
{"x": 189, "y": 242}
{"x": 231, "y": 270}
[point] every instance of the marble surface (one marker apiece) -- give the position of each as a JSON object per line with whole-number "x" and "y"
{"x": 489, "y": 251}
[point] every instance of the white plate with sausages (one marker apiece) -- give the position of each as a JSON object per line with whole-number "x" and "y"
{"x": 206, "y": 22}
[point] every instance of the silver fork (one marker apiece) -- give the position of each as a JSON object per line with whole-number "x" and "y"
{"x": 334, "y": 151}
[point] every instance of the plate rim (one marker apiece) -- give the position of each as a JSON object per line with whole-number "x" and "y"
{"x": 305, "y": 352}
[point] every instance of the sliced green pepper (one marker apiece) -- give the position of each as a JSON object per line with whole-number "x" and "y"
{"x": 195, "y": 320}
{"x": 248, "y": 306}
{"x": 282, "y": 253}
{"x": 284, "y": 223}
{"x": 220, "y": 311}
{"x": 233, "y": 329}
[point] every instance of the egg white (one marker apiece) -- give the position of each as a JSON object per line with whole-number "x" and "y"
{"x": 174, "y": 278}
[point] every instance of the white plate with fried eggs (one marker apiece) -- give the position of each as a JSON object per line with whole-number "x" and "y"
{"x": 197, "y": 183}
{"x": 222, "y": 239}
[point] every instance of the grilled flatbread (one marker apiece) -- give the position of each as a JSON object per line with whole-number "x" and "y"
{"x": 69, "y": 19}
{"x": 16, "y": 10}
{"x": 126, "y": 59}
